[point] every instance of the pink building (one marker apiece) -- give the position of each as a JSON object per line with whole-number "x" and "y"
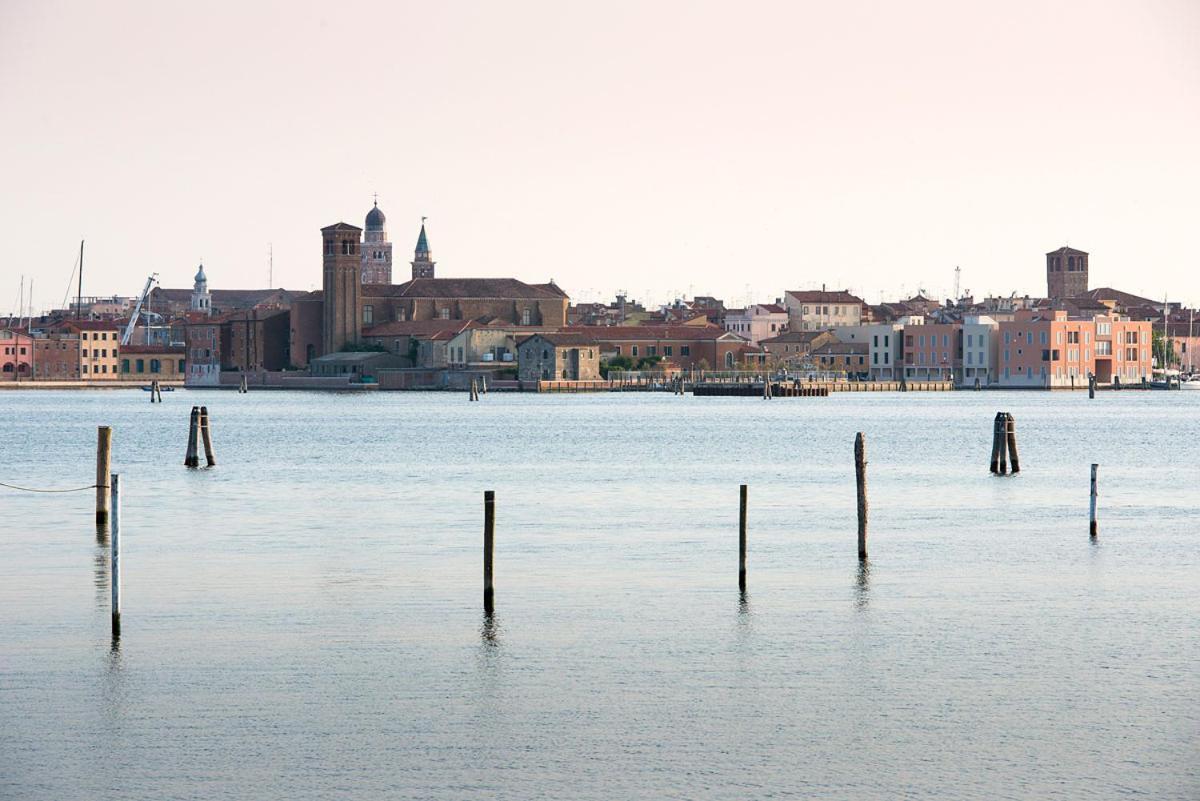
{"x": 16, "y": 355}
{"x": 1048, "y": 350}
{"x": 932, "y": 351}
{"x": 758, "y": 322}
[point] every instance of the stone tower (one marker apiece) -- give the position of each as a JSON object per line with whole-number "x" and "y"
{"x": 1066, "y": 273}
{"x": 201, "y": 299}
{"x": 423, "y": 263}
{"x": 341, "y": 281}
{"x": 377, "y": 250}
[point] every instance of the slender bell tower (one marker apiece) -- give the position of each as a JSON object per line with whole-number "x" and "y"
{"x": 342, "y": 323}
{"x": 423, "y": 263}
{"x": 376, "y": 249}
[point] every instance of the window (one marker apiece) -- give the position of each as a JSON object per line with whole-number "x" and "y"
{"x": 633, "y": 351}
{"x": 141, "y": 365}
{"x": 1072, "y": 337}
{"x": 685, "y": 350}
{"x": 368, "y": 315}
{"x": 1042, "y": 338}
{"x": 525, "y": 316}
{"x": 155, "y": 366}
{"x": 667, "y": 350}
{"x": 651, "y": 350}
{"x": 180, "y": 365}
{"x": 124, "y": 365}
{"x": 444, "y": 313}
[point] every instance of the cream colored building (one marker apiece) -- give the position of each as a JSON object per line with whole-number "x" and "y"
{"x": 819, "y": 309}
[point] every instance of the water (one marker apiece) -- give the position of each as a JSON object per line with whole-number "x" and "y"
{"x": 304, "y": 621}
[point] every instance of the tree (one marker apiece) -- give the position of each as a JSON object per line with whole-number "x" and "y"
{"x": 1164, "y": 349}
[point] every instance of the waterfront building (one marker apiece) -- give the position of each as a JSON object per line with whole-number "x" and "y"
{"x": 817, "y": 310}
{"x": 149, "y": 362}
{"x": 206, "y": 340}
{"x": 355, "y": 365}
{"x": 932, "y": 351}
{"x": 99, "y": 348}
{"x": 790, "y": 349}
{"x": 847, "y": 359}
{"x": 560, "y": 356}
{"x": 16, "y": 355}
{"x": 1066, "y": 273}
{"x": 688, "y": 346}
{"x": 756, "y": 322}
{"x": 1051, "y": 350}
{"x": 980, "y": 350}
{"x": 56, "y": 357}
{"x": 885, "y": 345}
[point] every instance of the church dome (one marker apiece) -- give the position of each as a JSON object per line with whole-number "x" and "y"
{"x": 200, "y": 277}
{"x": 375, "y": 219}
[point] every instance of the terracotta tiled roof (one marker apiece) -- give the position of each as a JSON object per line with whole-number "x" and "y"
{"x": 607, "y": 333}
{"x": 795, "y": 337}
{"x": 562, "y": 339}
{"x": 841, "y": 349}
{"x": 1065, "y": 250}
{"x": 499, "y": 288}
{"x": 823, "y": 296}
{"x": 1122, "y": 298}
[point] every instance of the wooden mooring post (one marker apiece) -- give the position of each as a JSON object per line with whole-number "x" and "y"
{"x": 103, "y": 468}
{"x": 1010, "y": 434}
{"x": 114, "y": 481}
{"x": 1091, "y": 386}
{"x": 997, "y": 443}
{"x": 742, "y": 538}
{"x": 192, "y": 458}
{"x": 489, "y": 542}
{"x": 206, "y": 435}
{"x": 1092, "y": 523}
{"x": 860, "y": 476}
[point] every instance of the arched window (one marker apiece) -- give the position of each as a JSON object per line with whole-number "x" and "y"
{"x": 729, "y": 358}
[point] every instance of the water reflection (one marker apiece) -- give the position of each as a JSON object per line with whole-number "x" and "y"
{"x": 745, "y": 615}
{"x": 489, "y": 631}
{"x": 100, "y": 566}
{"x": 862, "y": 586}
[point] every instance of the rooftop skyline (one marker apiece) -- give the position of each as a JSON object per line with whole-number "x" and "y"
{"x": 663, "y": 149}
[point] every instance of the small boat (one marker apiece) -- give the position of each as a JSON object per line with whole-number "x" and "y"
{"x": 160, "y": 389}
{"x": 1190, "y": 383}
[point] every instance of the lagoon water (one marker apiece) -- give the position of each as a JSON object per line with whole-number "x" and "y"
{"x": 304, "y": 620}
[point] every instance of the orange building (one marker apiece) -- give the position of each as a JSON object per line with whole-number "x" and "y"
{"x": 1048, "y": 350}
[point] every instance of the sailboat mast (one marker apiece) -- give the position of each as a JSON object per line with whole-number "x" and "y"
{"x": 79, "y": 299}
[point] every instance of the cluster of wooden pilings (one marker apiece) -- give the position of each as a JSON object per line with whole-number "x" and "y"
{"x": 1004, "y": 445}
{"x": 478, "y": 386}
{"x": 199, "y": 429}
{"x": 155, "y": 392}
{"x": 243, "y": 385}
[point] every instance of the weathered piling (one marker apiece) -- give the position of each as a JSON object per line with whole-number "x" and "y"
{"x": 1091, "y": 386}
{"x": 1092, "y": 523}
{"x": 114, "y": 482}
{"x": 1010, "y": 433}
{"x": 483, "y": 384}
{"x": 996, "y": 440}
{"x": 976, "y": 383}
{"x": 192, "y": 458}
{"x": 742, "y": 538}
{"x": 206, "y": 435}
{"x": 860, "y": 476}
{"x": 489, "y": 540}
{"x": 103, "y": 468}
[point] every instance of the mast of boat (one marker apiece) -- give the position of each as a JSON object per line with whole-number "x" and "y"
{"x": 79, "y": 299}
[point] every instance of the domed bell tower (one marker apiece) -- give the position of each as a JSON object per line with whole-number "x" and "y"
{"x": 377, "y": 250}
{"x": 342, "y": 277}
{"x": 201, "y": 299}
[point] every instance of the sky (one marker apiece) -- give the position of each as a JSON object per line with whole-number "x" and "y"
{"x": 664, "y": 149}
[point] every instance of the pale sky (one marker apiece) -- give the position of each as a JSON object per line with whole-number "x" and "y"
{"x": 727, "y": 149}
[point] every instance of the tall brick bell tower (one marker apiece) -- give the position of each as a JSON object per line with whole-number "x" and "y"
{"x": 342, "y": 322}
{"x": 1066, "y": 273}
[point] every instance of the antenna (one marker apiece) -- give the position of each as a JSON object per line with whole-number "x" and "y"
{"x": 957, "y": 279}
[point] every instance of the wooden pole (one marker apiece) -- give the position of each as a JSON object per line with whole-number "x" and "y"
{"x": 1091, "y": 386}
{"x": 1092, "y": 526}
{"x": 995, "y": 444}
{"x": 191, "y": 458}
{"x": 1003, "y": 444}
{"x": 1010, "y": 430}
{"x": 860, "y": 475}
{"x": 103, "y": 468}
{"x": 115, "y": 557}
{"x": 489, "y": 540}
{"x": 742, "y": 538}
{"x": 209, "y": 456}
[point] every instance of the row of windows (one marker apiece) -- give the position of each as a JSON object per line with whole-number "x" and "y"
{"x": 140, "y": 366}
{"x": 838, "y": 311}
{"x": 652, "y": 350}
{"x": 9, "y": 351}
